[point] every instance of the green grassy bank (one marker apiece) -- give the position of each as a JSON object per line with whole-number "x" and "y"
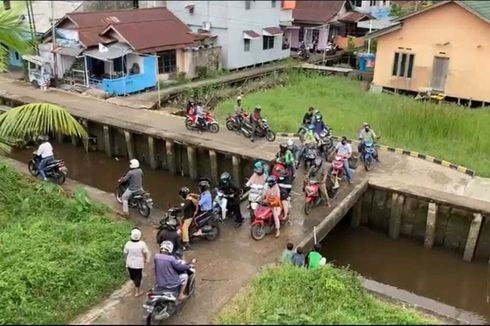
{"x": 448, "y": 132}
{"x": 298, "y": 296}
{"x": 58, "y": 255}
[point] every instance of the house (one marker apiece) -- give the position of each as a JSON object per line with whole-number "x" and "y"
{"x": 122, "y": 51}
{"x": 323, "y": 21}
{"x": 444, "y": 47}
{"x": 249, "y": 32}
{"x": 379, "y": 9}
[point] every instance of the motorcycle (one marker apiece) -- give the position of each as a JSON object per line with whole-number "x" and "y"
{"x": 279, "y": 169}
{"x": 331, "y": 48}
{"x": 263, "y": 223}
{"x": 309, "y": 155}
{"x": 325, "y": 144}
{"x": 55, "y": 170}
{"x": 254, "y": 197}
{"x": 368, "y": 154}
{"x": 232, "y": 123}
{"x": 211, "y": 124}
{"x": 164, "y": 304}
{"x": 140, "y": 200}
{"x": 337, "y": 169}
{"x": 263, "y": 131}
{"x": 313, "y": 195}
{"x": 204, "y": 225}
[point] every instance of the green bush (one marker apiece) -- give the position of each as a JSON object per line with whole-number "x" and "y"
{"x": 448, "y": 132}
{"x": 289, "y": 295}
{"x": 58, "y": 254}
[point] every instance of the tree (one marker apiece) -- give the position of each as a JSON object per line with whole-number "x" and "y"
{"x": 13, "y": 32}
{"x": 28, "y": 121}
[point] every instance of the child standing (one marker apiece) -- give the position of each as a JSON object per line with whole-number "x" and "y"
{"x": 287, "y": 254}
{"x": 299, "y": 257}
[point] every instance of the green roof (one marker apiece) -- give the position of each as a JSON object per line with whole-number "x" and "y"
{"x": 481, "y": 8}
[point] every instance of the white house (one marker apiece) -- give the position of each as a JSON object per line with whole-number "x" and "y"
{"x": 380, "y": 9}
{"x": 249, "y": 32}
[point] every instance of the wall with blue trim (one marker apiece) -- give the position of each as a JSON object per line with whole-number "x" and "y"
{"x": 134, "y": 83}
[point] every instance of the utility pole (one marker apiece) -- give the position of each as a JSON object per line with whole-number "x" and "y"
{"x": 53, "y": 46}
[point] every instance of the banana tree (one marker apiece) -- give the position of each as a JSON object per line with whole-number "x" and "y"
{"x": 28, "y": 121}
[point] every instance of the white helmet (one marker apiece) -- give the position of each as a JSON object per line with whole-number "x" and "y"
{"x": 134, "y": 164}
{"x": 135, "y": 234}
{"x": 290, "y": 142}
{"x": 167, "y": 246}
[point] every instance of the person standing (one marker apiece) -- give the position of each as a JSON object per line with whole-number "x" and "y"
{"x": 232, "y": 192}
{"x": 136, "y": 255}
{"x": 272, "y": 198}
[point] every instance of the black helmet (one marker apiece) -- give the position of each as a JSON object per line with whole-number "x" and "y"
{"x": 283, "y": 147}
{"x": 203, "y": 185}
{"x": 225, "y": 177}
{"x": 184, "y": 191}
{"x": 271, "y": 181}
{"x": 171, "y": 224}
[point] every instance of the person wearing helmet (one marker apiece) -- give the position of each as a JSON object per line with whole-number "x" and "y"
{"x": 286, "y": 157}
{"x": 205, "y": 198}
{"x": 259, "y": 176}
{"x": 200, "y": 115}
{"x": 309, "y": 116}
{"x": 345, "y": 149}
{"x": 232, "y": 193}
{"x": 367, "y": 134}
{"x": 255, "y": 120}
{"x": 319, "y": 172}
{"x": 272, "y": 198}
{"x": 45, "y": 151}
{"x": 189, "y": 211}
{"x": 134, "y": 178}
{"x": 319, "y": 124}
{"x": 169, "y": 231}
{"x": 239, "y": 111}
{"x": 170, "y": 273}
{"x": 310, "y": 137}
{"x": 296, "y": 150}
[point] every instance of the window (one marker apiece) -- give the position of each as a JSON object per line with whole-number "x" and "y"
{"x": 248, "y": 4}
{"x": 17, "y": 57}
{"x": 372, "y": 3}
{"x": 119, "y": 65}
{"x": 273, "y": 3}
{"x": 268, "y": 42}
{"x": 167, "y": 62}
{"x": 358, "y": 3}
{"x": 403, "y": 65}
{"x": 246, "y": 45}
{"x": 301, "y": 35}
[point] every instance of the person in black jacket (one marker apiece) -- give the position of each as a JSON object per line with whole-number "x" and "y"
{"x": 232, "y": 192}
{"x": 308, "y": 117}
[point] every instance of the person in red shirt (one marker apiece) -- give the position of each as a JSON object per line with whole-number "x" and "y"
{"x": 255, "y": 119}
{"x": 272, "y": 197}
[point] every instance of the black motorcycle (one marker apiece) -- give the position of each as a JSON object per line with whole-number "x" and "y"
{"x": 54, "y": 170}
{"x": 309, "y": 155}
{"x": 204, "y": 225}
{"x": 164, "y": 304}
{"x": 325, "y": 144}
{"x": 140, "y": 200}
{"x": 262, "y": 131}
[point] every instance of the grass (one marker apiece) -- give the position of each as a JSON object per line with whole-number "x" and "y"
{"x": 58, "y": 254}
{"x": 448, "y": 132}
{"x": 298, "y": 296}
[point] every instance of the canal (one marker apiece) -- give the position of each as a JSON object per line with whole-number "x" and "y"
{"x": 438, "y": 273}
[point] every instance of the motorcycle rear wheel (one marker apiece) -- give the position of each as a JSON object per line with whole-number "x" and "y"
{"x": 188, "y": 124}
{"x": 367, "y": 164}
{"x": 59, "y": 178}
{"x": 308, "y": 208}
{"x": 270, "y": 135}
{"x": 143, "y": 209}
{"x": 214, "y": 127}
{"x": 230, "y": 125}
{"x": 257, "y": 232}
{"x": 214, "y": 234}
{"x": 32, "y": 168}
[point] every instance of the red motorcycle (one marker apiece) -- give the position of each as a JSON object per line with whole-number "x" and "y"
{"x": 263, "y": 223}
{"x": 313, "y": 195}
{"x": 279, "y": 169}
{"x": 210, "y": 123}
{"x": 338, "y": 169}
{"x": 233, "y": 124}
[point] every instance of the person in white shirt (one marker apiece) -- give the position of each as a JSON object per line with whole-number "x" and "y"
{"x": 137, "y": 255}
{"x": 45, "y": 151}
{"x": 345, "y": 149}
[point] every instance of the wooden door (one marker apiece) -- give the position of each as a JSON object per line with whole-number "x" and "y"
{"x": 439, "y": 73}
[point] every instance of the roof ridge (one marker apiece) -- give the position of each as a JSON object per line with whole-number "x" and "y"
{"x": 110, "y": 11}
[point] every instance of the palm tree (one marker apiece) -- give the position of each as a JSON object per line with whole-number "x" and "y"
{"x": 28, "y": 121}
{"x": 13, "y": 32}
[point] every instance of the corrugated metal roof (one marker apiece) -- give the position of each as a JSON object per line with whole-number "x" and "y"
{"x": 113, "y": 51}
{"x": 480, "y": 7}
{"x": 316, "y": 11}
{"x": 69, "y": 51}
{"x": 152, "y": 36}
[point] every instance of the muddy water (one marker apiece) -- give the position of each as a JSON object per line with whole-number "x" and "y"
{"x": 98, "y": 170}
{"x": 439, "y": 274}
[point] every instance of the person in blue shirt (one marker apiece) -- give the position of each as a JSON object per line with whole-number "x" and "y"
{"x": 205, "y": 199}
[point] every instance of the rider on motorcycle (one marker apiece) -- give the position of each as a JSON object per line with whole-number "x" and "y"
{"x": 286, "y": 157}
{"x": 229, "y": 189}
{"x": 170, "y": 273}
{"x": 256, "y": 121}
{"x": 310, "y": 137}
{"x": 190, "y": 107}
{"x": 272, "y": 198}
{"x": 308, "y": 117}
{"x": 319, "y": 124}
{"x": 296, "y": 150}
{"x": 45, "y": 150}
{"x": 239, "y": 111}
{"x": 258, "y": 177}
{"x": 367, "y": 134}
{"x": 189, "y": 210}
{"x": 345, "y": 149}
{"x": 319, "y": 172}
{"x": 135, "y": 179}
{"x": 205, "y": 199}
{"x": 201, "y": 115}
{"x": 170, "y": 232}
